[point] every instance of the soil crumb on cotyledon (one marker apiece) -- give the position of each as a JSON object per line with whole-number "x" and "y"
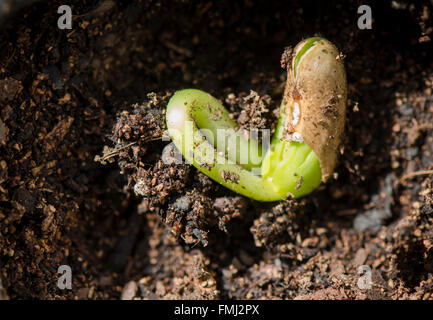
{"x": 230, "y": 176}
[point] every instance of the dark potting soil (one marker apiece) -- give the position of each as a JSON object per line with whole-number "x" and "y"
{"x": 98, "y": 91}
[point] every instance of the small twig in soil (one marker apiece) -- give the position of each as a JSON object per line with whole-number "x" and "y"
{"x": 116, "y": 151}
{"x": 414, "y": 174}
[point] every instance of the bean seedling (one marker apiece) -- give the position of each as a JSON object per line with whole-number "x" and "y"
{"x": 303, "y": 151}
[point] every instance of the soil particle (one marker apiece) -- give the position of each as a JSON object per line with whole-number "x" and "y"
{"x": 129, "y": 291}
{"x": 56, "y": 135}
{"x": 9, "y": 87}
{"x": 360, "y": 257}
{"x": 3, "y": 132}
{"x": 230, "y": 176}
{"x": 228, "y": 208}
{"x": 275, "y": 226}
